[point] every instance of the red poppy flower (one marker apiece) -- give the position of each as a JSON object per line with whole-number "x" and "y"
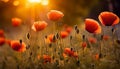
{"x": 63, "y": 34}
{"x": 106, "y": 37}
{"x": 92, "y": 26}
{"x": 75, "y": 55}
{"x": 84, "y": 44}
{"x": 39, "y": 25}
{"x": 68, "y": 29}
{"x": 2, "y": 41}
{"x": 47, "y": 40}
{"x": 64, "y": 55}
{"x": 17, "y": 46}
{"x": 46, "y": 58}
{"x": 96, "y": 56}
{"x": 108, "y": 18}
{"x": 92, "y": 40}
{"x": 38, "y": 57}
{"x": 68, "y": 51}
{"x": 55, "y": 15}
{"x": 50, "y": 38}
{"x": 2, "y": 33}
{"x": 16, "y": 22}
{"x": 7, "y": 41}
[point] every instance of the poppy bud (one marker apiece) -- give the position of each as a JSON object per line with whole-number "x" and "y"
{"x": 77, "y": 31}
{"x": 76, "y": 27}
{"x": 83, "y": 37}
{"x": 70, "y": 37}
{"x": 28, "y": 35}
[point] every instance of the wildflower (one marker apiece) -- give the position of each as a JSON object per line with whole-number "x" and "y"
{"x": 96, "y": 56}
{"x": 106, "y": 37}
{"x": 64, "y": 55}
{"x": 16, "y": 22}
{"x": 75, "y": 55}
{"x": 83, "y": 36}
{"x": 70, "y": 52}
{"x": 68, "y": 29}
{"x": 46, "y": 58}
{"x": 55, "y": 15}
{"x": 92, "y": 26}
{"x": 17, "y": 46}
{"x": 39, "y": 25}
{"x": 38, "y": 56}
{"x": 63, "y": 34}
{"x": 50, "y": 38}
{"x": 2, "y": 33}
{"x": 108, "y": 18}
{"x": 84, "y": 44}
{"x": 7, "y": 41}
{"x": 2, "y": 41}
{"x": 92, "y": 40}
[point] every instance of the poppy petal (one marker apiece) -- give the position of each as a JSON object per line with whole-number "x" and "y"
{"x": 108, "y": 18}
{"x": 55, "y": 15}
{"x": 92, "y": 26}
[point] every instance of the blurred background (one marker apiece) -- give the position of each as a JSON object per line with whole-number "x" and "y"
{"x": 75, "y": 10}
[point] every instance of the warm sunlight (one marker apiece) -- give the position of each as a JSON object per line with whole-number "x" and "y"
{"x": 16, "y": 3}
{"x": 44, "y": 2}
{"x": 34, "y": 1}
